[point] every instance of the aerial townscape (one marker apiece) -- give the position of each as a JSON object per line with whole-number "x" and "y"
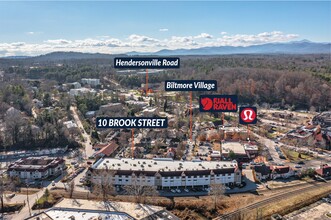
{"x": 124, "y": 128}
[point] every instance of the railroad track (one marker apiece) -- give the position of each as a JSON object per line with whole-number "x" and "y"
{"x": 277, "y": 197}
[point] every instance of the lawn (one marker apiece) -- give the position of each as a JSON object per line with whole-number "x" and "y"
{"x": 294, "y": 156}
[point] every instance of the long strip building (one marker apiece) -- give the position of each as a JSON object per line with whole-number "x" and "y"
{"x": 163, "y": 172}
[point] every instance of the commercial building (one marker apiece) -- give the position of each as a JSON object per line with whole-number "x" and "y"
{"x": 36, "y": 168}
{"x": 236, "y": 148}
{"x": 107, "y": 150}
{"x": 164, "y": 172}
{"x": 111, "y": 108}
{"x": 251, "y": 149}
{"x": 91, "y": 82}
{"x": 80, "y": 209}
{"x": 234, "y": 133}
{"x": 81, "y": 91}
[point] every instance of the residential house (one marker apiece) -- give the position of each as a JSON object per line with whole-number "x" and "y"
{"x": 324, "y": 170}
{"x": 36, "y": 168}
{"x": 281, "y": 172}
{"x": 262, "y": 172}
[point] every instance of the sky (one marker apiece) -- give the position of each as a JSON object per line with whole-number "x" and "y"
{"x": 33, "y": 28}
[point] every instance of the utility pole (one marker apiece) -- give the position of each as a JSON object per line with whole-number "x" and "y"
{"x": 27, "y": 197}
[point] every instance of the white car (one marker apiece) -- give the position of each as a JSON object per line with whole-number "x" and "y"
{"x": 178, "y": 190}
{"x": 186, "y": 190}
{"x": 173, "y": 191}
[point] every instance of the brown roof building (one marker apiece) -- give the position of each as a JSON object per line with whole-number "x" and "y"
{"x": 324, "y": 170}
{"x": 35, "y": 168}
{"x": 107, "y": 150}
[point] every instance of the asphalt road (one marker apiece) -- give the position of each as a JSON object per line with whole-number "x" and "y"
{"x": 87, "y": 139}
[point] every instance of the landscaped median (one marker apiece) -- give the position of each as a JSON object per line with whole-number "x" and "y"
{"x": 12, "y": 208}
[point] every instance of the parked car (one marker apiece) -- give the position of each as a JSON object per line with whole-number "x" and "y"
{"x": 186, "y": 190}
{"x": 301, "y": 162}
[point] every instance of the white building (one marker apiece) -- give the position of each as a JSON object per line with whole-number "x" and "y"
{"x": 150, "y": 112}
{"x": 81, "y": 91}
{"x": 91, "y": 82}
{"x": 70, "y": 124}
{"x": 81, "y": 209}
{"x": 76, "y": 85}
{"x": 113, "y": 109}
{"x": 36, "y": 168}
{"x": 164, "y": 172}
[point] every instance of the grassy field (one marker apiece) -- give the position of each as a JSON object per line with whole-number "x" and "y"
{"x": 294, "y": 156}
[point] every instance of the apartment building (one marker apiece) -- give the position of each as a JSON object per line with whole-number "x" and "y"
{"x": 163, "y": 172}
{"x": 36, "y": 168}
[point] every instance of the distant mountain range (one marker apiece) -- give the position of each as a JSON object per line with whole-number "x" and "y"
{"x": 294, "y": 47}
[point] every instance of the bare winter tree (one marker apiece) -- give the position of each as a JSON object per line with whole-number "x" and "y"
{"x": 13, "y": 122}
{"x": 6, "y": 184}
{"x": 216, "y": 191}
{"x": 140, "y": 191}
{"x": 105, "y": 186}
{"x": 71, "y": 188}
